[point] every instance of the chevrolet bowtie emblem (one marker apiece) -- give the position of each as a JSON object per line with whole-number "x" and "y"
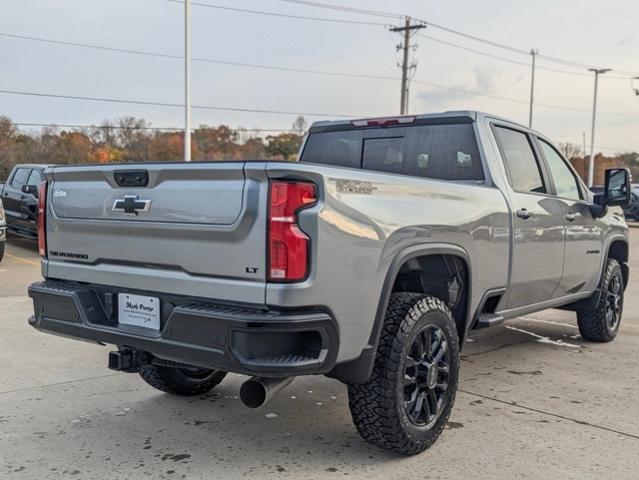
{"x": 131, "y": 205}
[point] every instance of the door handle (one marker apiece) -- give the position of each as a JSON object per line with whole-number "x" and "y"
{"x": 571, "y": 216}
{"x": 523, "y": 213}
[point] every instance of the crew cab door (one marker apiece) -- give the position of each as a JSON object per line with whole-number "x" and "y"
{"x": 29, "y": 203}
{"x": 583, "y": 232}
{"x": 12, "y": 198}
{"x": 537, "y": 217}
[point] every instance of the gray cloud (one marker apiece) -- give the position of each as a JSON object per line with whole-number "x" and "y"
{"x": 626, "y": 40}
{"x": 485, "y": 78}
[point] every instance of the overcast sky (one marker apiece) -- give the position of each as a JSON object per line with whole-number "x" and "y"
{"x": 592, "y": 32}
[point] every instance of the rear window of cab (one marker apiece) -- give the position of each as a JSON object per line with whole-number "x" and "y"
{"x": 443, "y": 152}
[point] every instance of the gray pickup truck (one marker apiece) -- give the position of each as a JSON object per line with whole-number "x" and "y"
{"x": 369, "y": 260}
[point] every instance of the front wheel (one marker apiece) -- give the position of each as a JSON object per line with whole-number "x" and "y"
{"x": 1, "y": 250}
{"x": 407, "y": 401}
{"x": 601, "y": 323}
{"x": 181, "y": 381}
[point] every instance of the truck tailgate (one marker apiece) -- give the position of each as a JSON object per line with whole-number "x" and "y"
{"x": 193, "y": 229}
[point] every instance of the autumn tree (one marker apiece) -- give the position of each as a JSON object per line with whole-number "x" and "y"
{"x": 105, "y": 134}
{"x": 7, "y": 146}
{"x": 253, "y": 149}
{"x": 216, "y": 143}
{"x": 73, "y": 147}
{"x": 284, "y": 145}
{"x": 133, "y": 138}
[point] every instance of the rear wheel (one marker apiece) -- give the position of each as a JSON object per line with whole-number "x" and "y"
{"x": 407, "y": 401}
{"x": 601, "y": 323}
{"x": 1, "y": 250}
{"x": 181, "y": 381}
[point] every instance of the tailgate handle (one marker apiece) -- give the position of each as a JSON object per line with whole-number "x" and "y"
{"x": 131, "y": 178}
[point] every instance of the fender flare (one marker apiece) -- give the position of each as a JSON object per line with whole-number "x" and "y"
{"x": 625, "y": 268}
{"x": 359, "y": 369}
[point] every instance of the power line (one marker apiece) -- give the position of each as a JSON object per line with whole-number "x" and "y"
{"x": 508, "y": 60}
{"x": 199, "y": 59}
{"x": 475, "y": 38}
{"x": 163, "y": 129}
{"x": 295, "y": 70}
{"x": 276, "y": 14}
{"x": 275, "y": 67}
{"x": 284, "y": 112}
{"x": 362, "y": 11}
{"x": 92, "y": 46}
{"x": 179, "y": 105}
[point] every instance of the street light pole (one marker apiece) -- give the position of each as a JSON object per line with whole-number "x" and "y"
{"x": 187, "y": 80}
{"x": 533, "y": 52}
{"x": 591, "y": 161}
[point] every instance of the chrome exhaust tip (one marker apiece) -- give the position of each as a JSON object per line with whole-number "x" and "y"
{"x": 257, "y": 392}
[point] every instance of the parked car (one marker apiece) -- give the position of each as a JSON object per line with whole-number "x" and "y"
{"x": 20, "y": 197}
{"x": 632, "y": 210}
{"x": 3, "y": 230}
{"x": 370, "y": 260}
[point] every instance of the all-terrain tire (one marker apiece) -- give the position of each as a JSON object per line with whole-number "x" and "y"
{"x": 181, "y": 381}
{"x": 379, "y": 406}
{"x": 601, "y": 323}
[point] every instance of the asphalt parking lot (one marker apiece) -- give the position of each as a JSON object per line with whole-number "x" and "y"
{"x": 535, "y": 401}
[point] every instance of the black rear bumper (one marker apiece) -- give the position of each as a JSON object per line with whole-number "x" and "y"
{"x": 198, "y": 332}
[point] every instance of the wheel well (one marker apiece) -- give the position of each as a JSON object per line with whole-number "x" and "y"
{"x": 440, "y": 275}
{"x": 619, "y": 251}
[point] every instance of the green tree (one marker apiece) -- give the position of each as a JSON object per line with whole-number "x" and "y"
{"x": 284, "y": 145}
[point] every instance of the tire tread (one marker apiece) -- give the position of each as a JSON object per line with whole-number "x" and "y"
{"x": 592, "y": 322}
{"x": 372, "y": 404}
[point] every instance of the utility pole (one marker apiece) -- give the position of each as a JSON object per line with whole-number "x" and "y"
{"x": 187, "y": 80}
{"x": 533, "y": 52}
{"x": 591, "y": 161}
{"x": 407, "y": 29}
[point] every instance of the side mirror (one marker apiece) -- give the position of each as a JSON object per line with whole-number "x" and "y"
{"x": 30, "y": 190}
{"x": 617, "y": 190}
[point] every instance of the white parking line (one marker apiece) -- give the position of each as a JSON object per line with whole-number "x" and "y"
{"x": 545, "y": 340}
{"x": 539, "y": 320}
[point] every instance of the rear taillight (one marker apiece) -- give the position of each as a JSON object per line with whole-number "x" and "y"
{"x": 288, "y": 246}
{"x": 42, "y": 219}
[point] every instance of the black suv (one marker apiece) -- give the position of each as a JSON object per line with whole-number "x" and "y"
{"x": 20, "y": 199}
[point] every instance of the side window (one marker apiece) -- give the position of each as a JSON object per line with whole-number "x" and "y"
{"x": 521, "y": 164}
{"x": 341, "y": 149}
{"x": 565, "y": 182}
{"x": 20, "y": 178}
{"x": 35, "y": 178}
{"x": 446, "y": 152}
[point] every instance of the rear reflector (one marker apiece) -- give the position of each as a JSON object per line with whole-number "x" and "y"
{"x": 382, "y": 122}
{"x": 42, "y": 220}
{"x": 288, "y": 245}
